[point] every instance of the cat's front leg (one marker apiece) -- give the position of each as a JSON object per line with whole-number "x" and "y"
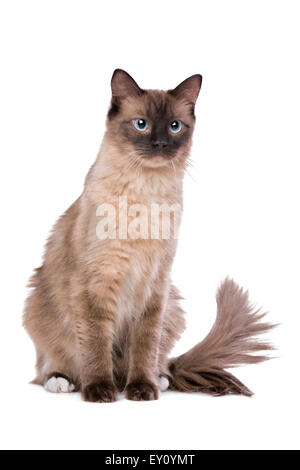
{"x": 143, "y": 367}
{"x": 95, "y": 326}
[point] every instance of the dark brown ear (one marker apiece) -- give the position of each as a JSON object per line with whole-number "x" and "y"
{"x": 123, "y": 85}
{"x": 188, "y": 89}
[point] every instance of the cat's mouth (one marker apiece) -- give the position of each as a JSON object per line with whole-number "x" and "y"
{"x": 164, "y": 154}
{"x": 159, "y": 155}
{"x": 157, "y": 159}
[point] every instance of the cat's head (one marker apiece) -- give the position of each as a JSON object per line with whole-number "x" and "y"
{"x": 152, "y": 128}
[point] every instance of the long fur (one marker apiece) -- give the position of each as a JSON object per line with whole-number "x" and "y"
{"x": 104, "y": 312}
{"x": 230, "y": 343}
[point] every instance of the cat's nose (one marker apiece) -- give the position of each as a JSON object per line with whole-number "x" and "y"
{"x": 160, "y": 144}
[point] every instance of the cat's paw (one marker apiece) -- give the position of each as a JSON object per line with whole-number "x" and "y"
{"x": 163, "y": 383}
{"x": 141, "y": 391}
{"x": 100, "y": 392}
{"x": 59, "y": 384}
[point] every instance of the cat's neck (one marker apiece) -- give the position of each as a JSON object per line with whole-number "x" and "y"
{"x": 110, "y": 176}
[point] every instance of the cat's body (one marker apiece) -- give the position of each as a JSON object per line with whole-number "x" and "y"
{"x": 133, "y": 270}
{"x": 103, "y": 313}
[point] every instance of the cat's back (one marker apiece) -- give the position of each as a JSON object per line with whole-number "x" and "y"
{"x": 59, "y": 250}
{"x": 62, "y": 235}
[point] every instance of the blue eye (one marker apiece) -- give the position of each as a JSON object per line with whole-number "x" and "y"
{"x": 140, "y": 124}
{"x": 175, "y": 126}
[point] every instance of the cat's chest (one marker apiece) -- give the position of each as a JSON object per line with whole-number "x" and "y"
{"x": 132, "y": 268}
{"x": 136, "y": 216}
{"x": 146, "y": 261}
{"x": 136, "y": 231}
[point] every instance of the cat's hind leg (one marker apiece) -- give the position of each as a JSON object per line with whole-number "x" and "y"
{"x": 173, "y": 326}
{"x": 163, "y": 383}
{"x": 55, "y": 375}
{"x": 60, "y": 383}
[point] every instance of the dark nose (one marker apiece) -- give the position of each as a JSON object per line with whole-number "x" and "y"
{"x": 160, "y": 144}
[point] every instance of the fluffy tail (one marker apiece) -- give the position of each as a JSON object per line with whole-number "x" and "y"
{"x": 230, "y": 343}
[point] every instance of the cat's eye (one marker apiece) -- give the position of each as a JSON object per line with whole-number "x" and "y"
{"x": 175, "y": 126}
{"x": 140, "y": 124}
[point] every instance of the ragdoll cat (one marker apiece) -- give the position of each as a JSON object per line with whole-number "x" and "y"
{"x": 103, "y": 313}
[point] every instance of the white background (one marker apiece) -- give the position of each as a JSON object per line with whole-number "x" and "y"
{"x": 241, "y": 201}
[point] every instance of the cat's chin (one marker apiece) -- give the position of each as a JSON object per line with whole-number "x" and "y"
{"x": 156, "y": 161}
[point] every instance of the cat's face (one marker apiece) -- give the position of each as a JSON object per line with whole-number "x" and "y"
{"x": 152, "y": 128}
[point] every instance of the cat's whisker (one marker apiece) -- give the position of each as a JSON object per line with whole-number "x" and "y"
{"x": 133, "y": 162}
{"x": 191, "y": 164}
{"x": 190, "y": 175}
{"x": 173, "y": 166}
{"x": 188, "y": 164}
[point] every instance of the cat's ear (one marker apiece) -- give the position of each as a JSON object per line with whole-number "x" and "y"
{"x": 123, "y": 85}
{"x": 188, "y": 89}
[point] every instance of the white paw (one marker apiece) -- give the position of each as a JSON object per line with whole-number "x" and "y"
{"x": 59, "y": 385}
{"x": 163, "y": 383}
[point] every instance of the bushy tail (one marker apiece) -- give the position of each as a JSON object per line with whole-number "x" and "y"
{"x": 230, "y": 343}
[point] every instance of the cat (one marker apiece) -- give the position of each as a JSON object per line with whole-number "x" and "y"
{"x": 103, "y": 313}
